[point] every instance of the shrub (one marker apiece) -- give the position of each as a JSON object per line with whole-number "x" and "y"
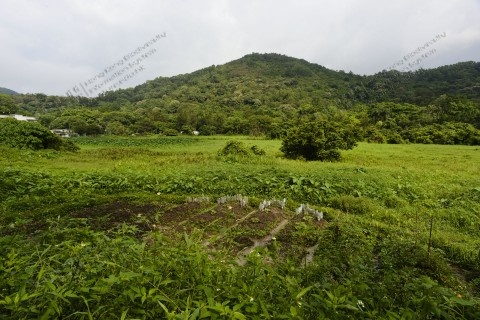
{"x": 31, "y": 135}
{"x": 375, "y": 136}
{"x": 257, "y": 151}
{"x": 234, "y": 148}
{"x": 394, "y": 138}
{"x": 319, "y": 140}
{"x": 237, "y": 148}
{"x": 207, "y": 130}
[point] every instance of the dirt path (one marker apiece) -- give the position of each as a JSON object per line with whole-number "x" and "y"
{"x": 260, "y": 243}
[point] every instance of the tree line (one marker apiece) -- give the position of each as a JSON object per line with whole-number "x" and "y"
{"x": 269, "y": 94}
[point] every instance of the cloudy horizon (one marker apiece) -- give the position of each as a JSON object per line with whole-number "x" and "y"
{"x": 53, "y": 47}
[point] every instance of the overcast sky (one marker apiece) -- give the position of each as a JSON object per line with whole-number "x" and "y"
{"x": 51, "y": 46}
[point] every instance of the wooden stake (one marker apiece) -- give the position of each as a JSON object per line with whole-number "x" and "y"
{"x": 430, "y": 237}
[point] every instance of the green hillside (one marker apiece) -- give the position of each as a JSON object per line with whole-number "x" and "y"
{"x": 266, "y": 94}
{"x": 275, "y": 78}
{"x": 424, "y": 86}
{"x": 256, "y": 79}
{"x": 7, "y": 91}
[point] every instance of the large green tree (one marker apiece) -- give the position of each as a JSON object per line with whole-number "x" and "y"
{"x": 31, "y": 135}
{"x": 320, "y": 140}
{"x": 7, "y": 104}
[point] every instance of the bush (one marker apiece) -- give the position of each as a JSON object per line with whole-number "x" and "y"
{"x": 237, "y": 148}
{"x": 375, "y": 136}
{"x": 319, "y": 140}
{"x": 31, "y": 135}
{"x": 394, "y": 138}
{"x": 234, "y": 148}
{"x": 67, "y": 145}
{"x": 257, "y": 151}
{"x": 207, "y": 130}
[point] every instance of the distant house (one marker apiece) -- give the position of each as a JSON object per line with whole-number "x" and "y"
{"x": 64, "y": 133}
{"x": 18, "y": 117}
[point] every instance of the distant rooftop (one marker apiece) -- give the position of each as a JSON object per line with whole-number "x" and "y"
{"x": 18, "y": 117}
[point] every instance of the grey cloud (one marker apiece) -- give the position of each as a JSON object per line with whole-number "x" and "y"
{"x": 50, "y": 46}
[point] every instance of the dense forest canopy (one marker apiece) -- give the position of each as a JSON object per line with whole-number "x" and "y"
{"x": 267, "y": 94}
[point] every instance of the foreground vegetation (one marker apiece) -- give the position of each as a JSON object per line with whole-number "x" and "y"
{"x": 132, "y": 228}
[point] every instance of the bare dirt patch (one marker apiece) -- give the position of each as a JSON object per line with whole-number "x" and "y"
{"x": 294, "y": 244}
{"x": 108, "y": 216}
{"x": 227, "y": 226}
{"x": 264, "y": 220}
{"x": 179, "y": 213}
{"x": 243, "y": 241}
{"x": 233, "y": 212}
{"x": 222, "y": 215}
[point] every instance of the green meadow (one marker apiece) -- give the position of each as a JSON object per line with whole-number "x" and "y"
{"x": 164, "y": 227}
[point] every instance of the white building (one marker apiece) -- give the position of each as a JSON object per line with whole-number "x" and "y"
{"x": 65, "y": 133}
{"x": 18, "y": 117}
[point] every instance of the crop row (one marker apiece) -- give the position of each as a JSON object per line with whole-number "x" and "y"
{"x": 314, "y": 189}
{"x": 106, "y": 141}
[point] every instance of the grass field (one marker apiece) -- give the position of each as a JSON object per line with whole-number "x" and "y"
{"x": 132, "y": 228}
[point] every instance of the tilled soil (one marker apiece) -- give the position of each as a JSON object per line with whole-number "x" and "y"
{"x": 111, "y": 215}
{"x": 231, "y": 226}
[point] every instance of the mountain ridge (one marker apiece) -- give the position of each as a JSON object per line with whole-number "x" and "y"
{"x": 8, "y": 91}
{"x": 267, "y": 94}
{"x": 420, "y": 87}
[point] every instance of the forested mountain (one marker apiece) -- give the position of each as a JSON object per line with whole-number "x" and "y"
{"x": 290, "y": 80}
{"x": 424, "y": 86}
{"x": 7, "y": 91}
{"x": 254, "y": 80}
{"x": 269, "y": 93}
